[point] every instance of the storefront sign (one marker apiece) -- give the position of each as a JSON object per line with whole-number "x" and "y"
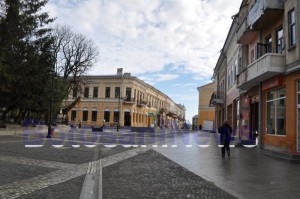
{"x": 272, "y": 82}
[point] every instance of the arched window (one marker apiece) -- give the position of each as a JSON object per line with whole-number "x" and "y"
{"x": 94, "y": 114}
{"x": 116, "y": 115}
{"x": 73, "y": 114}
{"x": 107, "y": 115}
{"x": 85, "y": 114}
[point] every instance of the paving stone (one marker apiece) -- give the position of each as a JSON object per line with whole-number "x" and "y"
{"x": 66, "y": 190}
{"x": 65, "y": 155}
{"x": 11, "y": 172}
{"x": 151, "y": 175}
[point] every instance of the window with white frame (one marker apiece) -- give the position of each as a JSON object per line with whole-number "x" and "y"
{"x": 292, "y": 27}
{"x": 232, "y": 75}
{"x": 229, "y": 78}
{"x": 279, "y": 40}
{"x": 236, "y": 68}
{"x": 276, "y": 112}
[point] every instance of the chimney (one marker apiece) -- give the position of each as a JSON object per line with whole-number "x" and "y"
{"x": 120, "y": 71}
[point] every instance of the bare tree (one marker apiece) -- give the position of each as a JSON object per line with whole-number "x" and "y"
{"x": 74, "y": 53}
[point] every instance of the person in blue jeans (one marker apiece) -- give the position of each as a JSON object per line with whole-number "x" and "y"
{"x": 225, "y": 130}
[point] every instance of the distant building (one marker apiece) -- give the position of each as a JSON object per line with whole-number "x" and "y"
{"x": 206, "y": 114}
{"x": 195, "y": 125}
{"x": 121, "y": 99}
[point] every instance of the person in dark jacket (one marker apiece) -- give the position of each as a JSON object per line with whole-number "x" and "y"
{"x": 225, "y": 130}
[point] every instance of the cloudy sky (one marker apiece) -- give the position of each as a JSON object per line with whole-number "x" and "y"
{"x": 170, "y": 44}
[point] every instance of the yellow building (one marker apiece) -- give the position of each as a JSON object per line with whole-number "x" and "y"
{"x": 206, "y": 114}
{"x": 121, "y": 99}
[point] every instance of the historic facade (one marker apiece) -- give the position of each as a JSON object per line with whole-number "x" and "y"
{"x": 121, "y": 99}
{"x": 206, "y": 113}
{"x": 260, "y": 64}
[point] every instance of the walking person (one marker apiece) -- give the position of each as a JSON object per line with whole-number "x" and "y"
{"x": 225, "y": 130}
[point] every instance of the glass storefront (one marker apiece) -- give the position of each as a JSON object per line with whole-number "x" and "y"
{"x": 276, "y": 110}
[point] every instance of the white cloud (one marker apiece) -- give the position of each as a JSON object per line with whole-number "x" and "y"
{"x": 185, "y": 85}
{"x": 152, "y": 36}
{"x": 144, "y": 36}
{"x": 155, "y": 78}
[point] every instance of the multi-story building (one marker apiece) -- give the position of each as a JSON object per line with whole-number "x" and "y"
{"x": 267, "y": 78}
{"x": 122, "y": 100}
{"x": 206, "y": 113}
{"x": 226, "y": 95}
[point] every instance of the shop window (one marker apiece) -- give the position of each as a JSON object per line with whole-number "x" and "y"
{"x": 276, "y": 112}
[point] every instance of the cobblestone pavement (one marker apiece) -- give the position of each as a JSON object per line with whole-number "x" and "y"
{"x": 151, "y": 175}
{"x": 129, "y": 171}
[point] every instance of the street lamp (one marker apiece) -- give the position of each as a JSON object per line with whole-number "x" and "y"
{"x": 51, "y": 104}
{"x": 118, "y": 125}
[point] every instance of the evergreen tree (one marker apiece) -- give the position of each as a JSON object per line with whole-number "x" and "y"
{"x": 26, "y": 56}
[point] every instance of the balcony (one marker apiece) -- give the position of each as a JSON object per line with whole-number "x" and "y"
{"x": 141, "y": 103}
{"x": 245, "y": 35}
{"x": 263, "y": 12}
{"x": 163, "y": 110}
{"x": 267, "y": 66}
{"x": 241, "y": 78}
{"x": 217, "y": 99}
{"x": 129, "y": 101}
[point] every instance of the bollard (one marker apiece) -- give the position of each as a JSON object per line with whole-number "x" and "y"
{"x": 52, "y": 132}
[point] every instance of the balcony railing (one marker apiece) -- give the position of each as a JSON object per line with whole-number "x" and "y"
{"x": 163, "y": 110}
{"x": 241, "y": 78}
{"x": 142, "y": 103}
{"x": 258, "y": 13}
{"x": 129, "y": 100}
{"x": 265, "y": 67}
{"x": 244, "y": 34}
{"x": 217, "y": 98}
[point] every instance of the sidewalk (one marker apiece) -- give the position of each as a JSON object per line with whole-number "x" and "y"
{"x": 246, "y": 174}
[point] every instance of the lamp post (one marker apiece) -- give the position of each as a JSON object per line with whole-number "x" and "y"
{"x": 51, "y": 104}
{"x": 118, "y": 125}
